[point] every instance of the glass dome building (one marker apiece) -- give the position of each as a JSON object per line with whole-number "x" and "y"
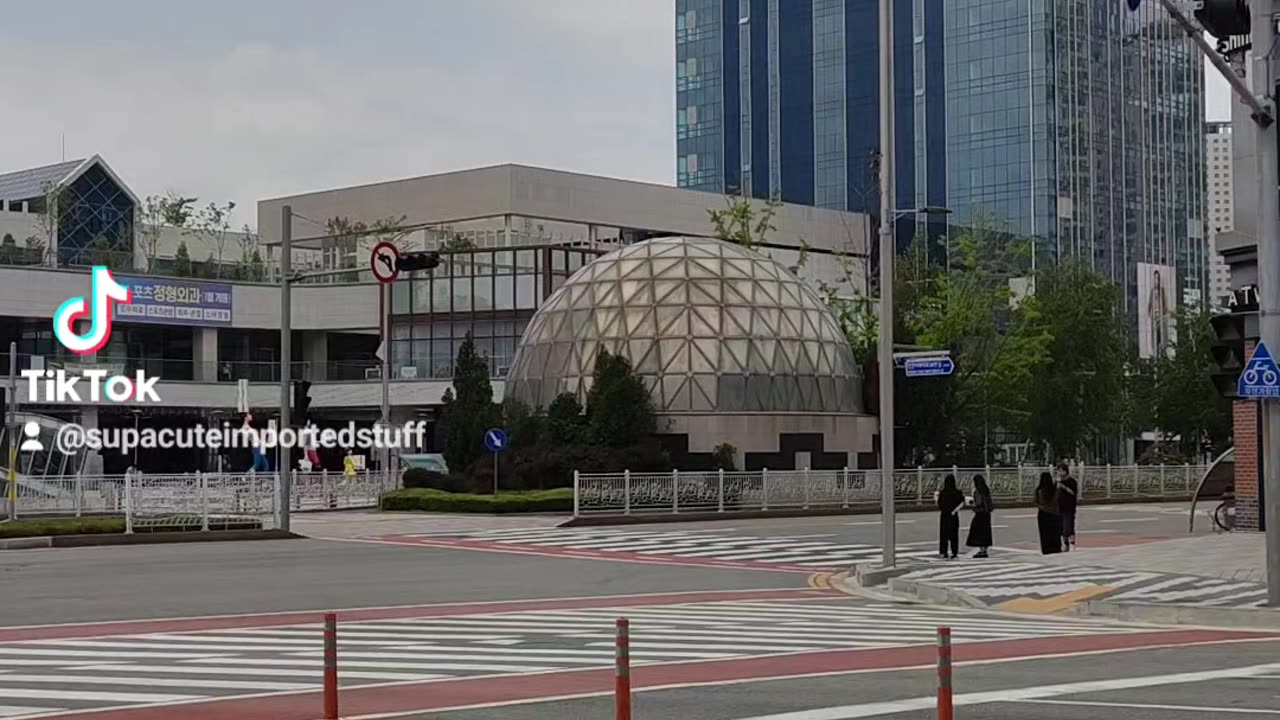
{"x": 713, "y": 329}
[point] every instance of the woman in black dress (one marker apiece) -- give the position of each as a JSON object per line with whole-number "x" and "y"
{"x": 950, "y": 500}
{"x": 1048, "y": 519}
{"x": 980, "y": 526}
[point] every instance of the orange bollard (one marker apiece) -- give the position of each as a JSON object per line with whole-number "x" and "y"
{"x": 622, "y": 686}
{"x": 330, "y": 666}
{"x": 944, "y": 673}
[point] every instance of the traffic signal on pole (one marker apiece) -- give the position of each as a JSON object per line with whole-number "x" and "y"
{"x": 301, "y": 401}
{"x": 1224, "y": 18}
{"x": 425, "y": 260}
{"x": 1228, "y": 351}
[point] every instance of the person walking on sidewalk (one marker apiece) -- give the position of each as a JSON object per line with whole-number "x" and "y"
{"x": 980, "y": 526}
{"x": 1068, "y": 499}
{"x": 950, "y": 500}
{"x": 1048, "y": 520}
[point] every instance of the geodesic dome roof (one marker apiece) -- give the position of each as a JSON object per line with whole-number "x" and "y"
{"x": 708, "y": 325}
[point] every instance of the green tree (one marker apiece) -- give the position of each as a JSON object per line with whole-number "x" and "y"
{"x": 743, "y": 221}
{"x": 182, "y": 261}
{"x": 620, "y": 411}
{"x": 154, "y": 214}
{"x": 566, "y": 421}
{"x": 212, "y": 223}
{"x": 1188, "y": 411}
{"x": 994, "y": 338}
{"x": 522, "y": 425}
{"x": 470, "y": 410}
{"x": 1078, "y": 395}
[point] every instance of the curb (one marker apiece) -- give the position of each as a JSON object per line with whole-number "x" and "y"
{"x": 69, "y": 541}
{"x": 1178, "y": 614}
{"x": 934, "y": 595}
{"x": 872, "y": 575}
{"x": 705, "y": 515}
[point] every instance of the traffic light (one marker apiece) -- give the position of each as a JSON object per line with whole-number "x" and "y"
{"x": 301, "y": 401}
{"x": 1224, "y": 18}
{"x": 1228, "y": 351}
{"x": 424, "y": 260}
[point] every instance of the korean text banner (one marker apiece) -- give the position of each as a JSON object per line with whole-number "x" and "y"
{"x": 176, "y": 302}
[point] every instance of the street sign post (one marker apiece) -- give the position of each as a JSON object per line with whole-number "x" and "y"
{"x": 384, "y": 262}
{"x": 495, "y": 439}
{"x": 1260, "y": 377}
{"x": 929, "y": 367}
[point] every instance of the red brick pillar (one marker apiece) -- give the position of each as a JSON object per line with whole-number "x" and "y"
{"x": 1246, "y": 430}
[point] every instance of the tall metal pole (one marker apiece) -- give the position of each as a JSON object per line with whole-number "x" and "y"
{"x": 11, "y": 431}
{"x": 384, "y": 325}
{"x": 286, "y": 352}
{"x": 1262, "y": 77}
{"x": 887, "y": 253}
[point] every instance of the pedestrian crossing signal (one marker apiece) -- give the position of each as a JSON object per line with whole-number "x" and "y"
{"x": 1228, "y": 352}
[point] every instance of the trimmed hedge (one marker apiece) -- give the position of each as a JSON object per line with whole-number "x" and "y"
{"x": 428, "y": 500}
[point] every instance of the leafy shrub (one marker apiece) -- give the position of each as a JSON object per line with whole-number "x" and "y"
{"x": 428, "y": 500}
{"x": 416, "y": 477}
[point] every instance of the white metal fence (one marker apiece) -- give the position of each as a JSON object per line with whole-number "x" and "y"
{"x": 208, "y": 501}
{"x": 629, "y": 493}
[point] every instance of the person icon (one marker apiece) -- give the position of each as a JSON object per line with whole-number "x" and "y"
{"x": 32, "y": 443}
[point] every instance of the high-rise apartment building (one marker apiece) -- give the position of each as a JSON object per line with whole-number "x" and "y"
{"x": 1074, "y": 122}
{"x": 1220, "y": 204}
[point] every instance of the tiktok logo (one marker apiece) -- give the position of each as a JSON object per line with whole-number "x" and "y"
{"x": 104, "y": 293}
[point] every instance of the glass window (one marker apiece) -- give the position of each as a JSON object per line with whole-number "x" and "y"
{"x": 527, "y": 291}
{"x": 461, "y": 294}
{"x": 482, "y": 290}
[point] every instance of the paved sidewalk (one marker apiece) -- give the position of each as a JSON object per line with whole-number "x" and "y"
{"x": 1184, "y": 577}
{"x": 1238, "y": 556}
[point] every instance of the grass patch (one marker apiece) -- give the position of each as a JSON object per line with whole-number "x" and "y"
{"x": 111, "y": 524}
{"x": 430, "y": 500}
{"x": 39, "y": 527}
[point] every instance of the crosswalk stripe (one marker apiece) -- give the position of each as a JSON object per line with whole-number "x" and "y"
{"x": 10, "y": 710}
{"x": 499, "y": 662}
{"x": 81, "y": 680}
{"x": 276, "y": 672}
{"x": 51, "y": 652}
{"x": 92, "y": 695}
{"x": 452, "y": 667}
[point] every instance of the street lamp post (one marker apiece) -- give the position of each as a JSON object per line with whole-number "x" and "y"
{"x": 887, "y": 539}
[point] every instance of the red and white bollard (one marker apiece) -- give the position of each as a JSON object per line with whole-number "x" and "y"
{"x": 622, "y": 686}
{"x": 330, "y": 666}
{"x": 944, "y": 673}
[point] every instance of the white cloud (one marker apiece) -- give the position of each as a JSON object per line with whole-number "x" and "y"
{"x": 590, "y": 92}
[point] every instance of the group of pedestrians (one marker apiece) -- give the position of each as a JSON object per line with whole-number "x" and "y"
{"x": 1057, "y": 497}
{"x": 1056, "y": 500}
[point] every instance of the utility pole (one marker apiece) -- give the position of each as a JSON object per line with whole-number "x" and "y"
{"x": 1262, "y": 78}
{"x": 888, "y": 537}
{"x": 286, "y": 352}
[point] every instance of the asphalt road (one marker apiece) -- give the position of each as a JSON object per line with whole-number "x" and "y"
{"x": 874, "y": 694}
{"x": 153, "y": 581}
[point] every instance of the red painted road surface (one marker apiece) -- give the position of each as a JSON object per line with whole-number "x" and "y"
{"x": 447, "y": 694}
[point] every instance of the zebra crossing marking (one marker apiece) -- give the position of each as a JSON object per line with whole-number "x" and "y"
{"x": 158, "y": 668}
{"x": 1040, "y": 587}
{"x": 797, "y": 553}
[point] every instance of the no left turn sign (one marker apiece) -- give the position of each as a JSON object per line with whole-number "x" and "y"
{"x": 384, "y": 261}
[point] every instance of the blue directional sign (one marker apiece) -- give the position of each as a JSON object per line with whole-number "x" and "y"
{"x": 929, "y": 366}
{"x": 495, "y": 439}
{"x": 1261, "y": 377}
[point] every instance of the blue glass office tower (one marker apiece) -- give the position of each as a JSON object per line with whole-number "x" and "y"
{"x": 780, "y": 98}
{"x": 1073, "y": 122}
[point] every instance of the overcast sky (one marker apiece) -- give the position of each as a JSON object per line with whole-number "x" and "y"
{"x": 242, "y": 100}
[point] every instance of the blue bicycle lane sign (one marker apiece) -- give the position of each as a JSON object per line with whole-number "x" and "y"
{"x": 1261, "y": 376}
